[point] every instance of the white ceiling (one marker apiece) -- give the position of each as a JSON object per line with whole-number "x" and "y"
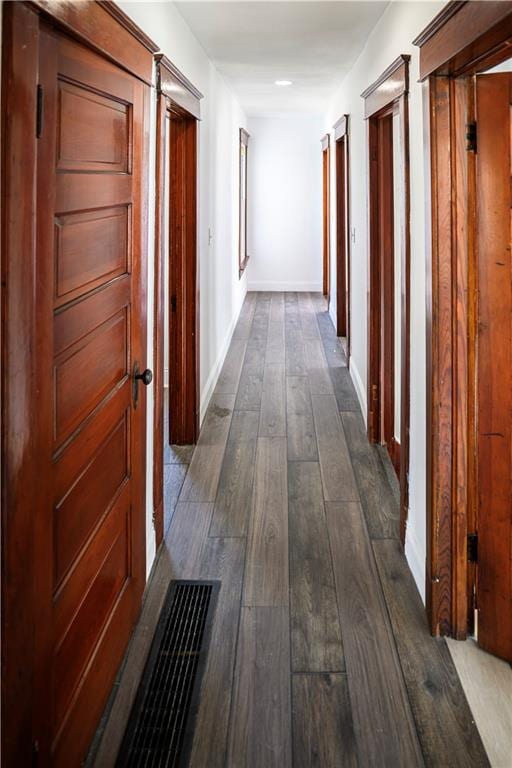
{"x": 314, "y": 44}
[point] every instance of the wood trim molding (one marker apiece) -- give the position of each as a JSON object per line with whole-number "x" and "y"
{"x": 392, "y": 83}
{"x": 448, "y": 94}
{"x": 325, "y": 141}
{"x": 445, "y": 14}
{"x": 389, "y": 94}
{"x": 448, "y": 360}
{"x": 462, "y": 34}
{"x": 159, "y": 321}
{"x": 105, "y": 28}
{"x": 340, "y": 127}
{"x": 242, "y": 262}
{"x": 125, "y": 21}
{"x": 20, "y": 55}
{"x": 343, "y": 250}
{"x": 173, "y": 84}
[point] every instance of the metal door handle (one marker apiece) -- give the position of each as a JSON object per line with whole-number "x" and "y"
{"x": 146, "y": 377}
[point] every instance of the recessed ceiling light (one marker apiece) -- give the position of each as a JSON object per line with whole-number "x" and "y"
{"x": 283, "y": 82}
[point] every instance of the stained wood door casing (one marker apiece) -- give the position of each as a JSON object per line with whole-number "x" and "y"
{"x": 342, "y": 242}
{"x": 382, "y": 292}
{"x": 90, "y": 308}
{"x": 326, "y": 214}
{"x": 183, "y": 282}
{"x": 494, "y": 389}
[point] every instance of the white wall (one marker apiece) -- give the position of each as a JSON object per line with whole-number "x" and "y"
{"x": 285, "y": 203}
{"x": 221, "y": 292}
{"x": 393, "y": 34}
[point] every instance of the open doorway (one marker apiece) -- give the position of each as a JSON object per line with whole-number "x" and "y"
{"x": 342, "y": 233}
{"x": 176, "y": 333}
{"x": 386, "y": 109}
{"x": 326, "y": 164}
{"x": 469, "y": 305}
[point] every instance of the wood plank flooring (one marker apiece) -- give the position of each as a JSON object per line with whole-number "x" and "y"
{"x": 320, "y": 654}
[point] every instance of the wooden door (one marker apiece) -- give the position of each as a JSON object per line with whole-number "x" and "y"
{"x": 494, "y": 372}
{"x": 89, "y": 303}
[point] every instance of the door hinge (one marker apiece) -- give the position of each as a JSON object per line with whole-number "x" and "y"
{"x": 471, "y": 137}
{"x": 473, "y": 547}
{"x": 173, "y": 303}
{"x": 39, "y": 111}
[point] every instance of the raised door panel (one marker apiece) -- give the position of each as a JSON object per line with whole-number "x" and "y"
{"x": 94, "y": 489}
{"x": 93, "y": 131}
{"x": 91, "y": 303}
{"x": 80, "y": 267}
{"x": 88, "y": 372}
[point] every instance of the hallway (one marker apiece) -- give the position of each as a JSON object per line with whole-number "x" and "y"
{"x": 320, "y": 652}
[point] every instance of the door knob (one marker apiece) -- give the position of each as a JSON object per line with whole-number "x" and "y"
{"x": 146, "y": 377}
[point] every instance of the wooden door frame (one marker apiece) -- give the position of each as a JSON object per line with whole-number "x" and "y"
{"x": 326, "y": 216}
{"x": 389, "y": 92}
{"x": 462, "y": 39}
{"x": 341, "y": 139}
{"x": 178, "y": 109}
{"x": 242, "y": 247}
{"x": 105, "y": 29}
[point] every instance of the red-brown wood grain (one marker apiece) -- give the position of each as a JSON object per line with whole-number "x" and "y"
{"x": 465, "y": 38}
{"x": 19, "y": 76}
{"x": 493, "y": 203}
{"x": 74, "y": 320}
{"x": 388, "y": 95}
{"x": 342, "y": 232}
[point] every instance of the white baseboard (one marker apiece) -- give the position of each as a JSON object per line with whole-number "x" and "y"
{"x": 215, "y": 372}
{"x": 358, "y": 384}
{"x": 416, "y": 561}
{"x": 269, "y": 285}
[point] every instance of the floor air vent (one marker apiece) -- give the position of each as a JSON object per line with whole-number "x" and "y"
{"x": 161, "y": 724}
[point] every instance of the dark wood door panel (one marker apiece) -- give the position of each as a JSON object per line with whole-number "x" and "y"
{"x": 79, "y": 267}
{"x": 69, "y": 465}
{"x": 77, "y": 644}
{"x": 84, "y": 376}
{"x": 81, "y": 318}
{"x": 93, "y": 131}
{"x": 73, "y": 734}
{"x": 92, "y": 493}
{"x": 80, "y": 578}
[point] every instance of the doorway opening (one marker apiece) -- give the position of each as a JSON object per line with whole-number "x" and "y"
{"x": 176, "y": 332}
{"x": 326, "y": 165}
{"x": 342, "y": 233}
{"x": 386, "y": 108}
{"x": 469, "y": 303}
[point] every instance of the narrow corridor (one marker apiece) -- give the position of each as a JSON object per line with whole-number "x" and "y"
{"x": 320, "y": 652}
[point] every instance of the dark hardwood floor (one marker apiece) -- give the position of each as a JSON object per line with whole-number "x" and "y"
{"x": 320, "y": 652}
